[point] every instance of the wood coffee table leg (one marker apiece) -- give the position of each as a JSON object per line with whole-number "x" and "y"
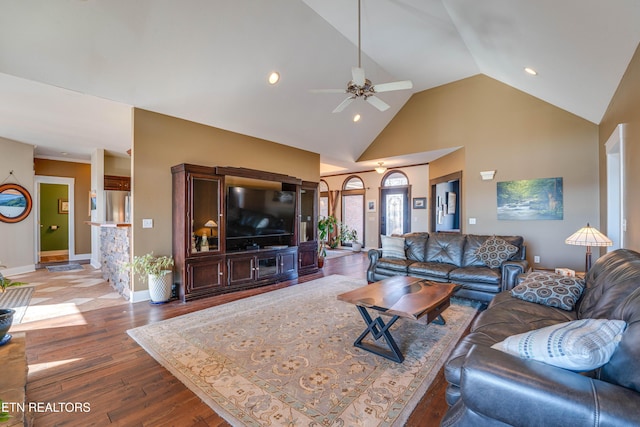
{"x": 378, "y": 329}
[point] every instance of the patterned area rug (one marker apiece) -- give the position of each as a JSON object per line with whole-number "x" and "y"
{"x": 287, "y": 358}
{"x": 66, "y": 267}
{"x": 17, "y": 298}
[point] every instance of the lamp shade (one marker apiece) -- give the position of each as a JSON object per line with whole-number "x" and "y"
{"x": 588, "y": 236}
{"x": 210, "y": 224}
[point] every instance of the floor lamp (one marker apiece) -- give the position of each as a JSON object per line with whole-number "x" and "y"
{"x": 588, "y": 236}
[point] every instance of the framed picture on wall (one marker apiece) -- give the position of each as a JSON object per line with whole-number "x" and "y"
{"x": 63, "y": 206}
{"x": 419, "y": 203}
{"x": 371, "y": 206}
{"x": 451, "y": 203}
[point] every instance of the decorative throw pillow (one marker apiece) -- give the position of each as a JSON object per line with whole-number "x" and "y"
{"x": 393, "y": 247}
{"x": 580, "y": 345}
{"x": 494, "y": 251}
{"x": 549, "y": 289}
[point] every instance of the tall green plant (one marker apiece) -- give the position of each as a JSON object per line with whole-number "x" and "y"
{"x": 326, "y": 226}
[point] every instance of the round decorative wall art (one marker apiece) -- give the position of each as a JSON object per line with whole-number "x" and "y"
{"x": 15, "y": 203}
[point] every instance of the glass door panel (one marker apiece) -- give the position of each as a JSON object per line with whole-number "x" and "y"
{"x": 206, "y": 215}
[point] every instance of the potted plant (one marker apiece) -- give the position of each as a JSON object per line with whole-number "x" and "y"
{"x": 159, "y": 271}
{"x": 326, "y": 226}
{"x": 348, "y": 234}
{"x": 6, "y": 314}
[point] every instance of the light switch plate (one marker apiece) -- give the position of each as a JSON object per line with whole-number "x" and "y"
{"x": 147, "y": 223}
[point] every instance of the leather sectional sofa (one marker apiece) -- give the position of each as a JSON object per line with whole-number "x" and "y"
{"x": 489, "y": 387}
{"x": 451, "y": 258}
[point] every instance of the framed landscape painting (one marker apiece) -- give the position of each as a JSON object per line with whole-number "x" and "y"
{"x": 531, "y": 199}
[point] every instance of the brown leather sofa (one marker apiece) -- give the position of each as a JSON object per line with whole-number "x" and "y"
{"x": 451, "y": 258}
{"x": 488, "y": 387}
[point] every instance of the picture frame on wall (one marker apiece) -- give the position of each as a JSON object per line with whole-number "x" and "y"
{"x": 451, "y": 203}
{"x": 63, "y": 206}
{"x": 371, "y": 205}
{"x": 419, "y": 203}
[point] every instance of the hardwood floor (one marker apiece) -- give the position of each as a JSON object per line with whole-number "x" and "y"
{"x": 88, "y": 357}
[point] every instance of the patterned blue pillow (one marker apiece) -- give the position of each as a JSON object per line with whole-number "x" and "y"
{"x": 494, "y": 251}
{"x": 549, "y": 289}
{"x": 580, "y": 345}
{"x": 392, "y": 247}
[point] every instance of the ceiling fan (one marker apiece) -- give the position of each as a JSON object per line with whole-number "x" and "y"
{"x": 361, "y": 87}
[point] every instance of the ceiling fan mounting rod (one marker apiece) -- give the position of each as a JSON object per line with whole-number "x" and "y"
{"x": 359, "y": 36}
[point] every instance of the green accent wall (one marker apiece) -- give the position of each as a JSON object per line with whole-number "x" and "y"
{"x": 53, "y": 240}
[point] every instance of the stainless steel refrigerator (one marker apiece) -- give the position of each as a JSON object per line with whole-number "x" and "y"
{"x": 118, "y": 206}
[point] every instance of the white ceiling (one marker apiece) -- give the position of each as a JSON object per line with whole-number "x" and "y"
{"x": 70, "y": 70}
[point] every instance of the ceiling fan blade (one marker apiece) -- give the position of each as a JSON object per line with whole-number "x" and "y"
{"x": 344, "y": 104}
{"x": 386, "y": 87}
{"x": 357, "y": 75}
{"x": 327, "y": 91}
{"x": 378, "y": 103}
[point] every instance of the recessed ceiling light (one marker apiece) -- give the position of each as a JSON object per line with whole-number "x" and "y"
{"x": 356, "y": 118}
{"x": 531, "y": 71}
{"x": 274, "y": 78}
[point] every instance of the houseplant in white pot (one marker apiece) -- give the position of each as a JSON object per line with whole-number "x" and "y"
{"x": 6, "y": 314}
{"x": 348, "y": 234}
{"x": 159, "y": 271}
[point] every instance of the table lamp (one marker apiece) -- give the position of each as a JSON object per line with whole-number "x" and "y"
{"x": 588, "y": 236}
{"x": 211, "y": 224}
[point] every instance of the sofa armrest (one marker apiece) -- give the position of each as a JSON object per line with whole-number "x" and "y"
{"x": 510, "y": 272}
{"x": 525, "y": 392}
{"x": 374, "y": 255}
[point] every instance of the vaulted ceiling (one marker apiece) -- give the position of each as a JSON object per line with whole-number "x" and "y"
{"x": 70, "y": 70}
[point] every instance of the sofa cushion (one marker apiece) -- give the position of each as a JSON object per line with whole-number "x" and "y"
{"x": 549, "y": 289}
{"x": 416, "y": 245}
{"x": 494, "y": 251}
{"x": 475, "y": 274}
{"x": 393, "y": 264}
{"x": 393, "y": 247}
{"x": 580, "y": 345}
{"x": 609, "y": 282}
{"x": 431, "y": 269}
{"x": 446, "y": 248}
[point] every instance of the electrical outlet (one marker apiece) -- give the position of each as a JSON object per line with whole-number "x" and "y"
{"x": 147, "y": 223}
{"x": 472, "y": 221}
{"x": 536, "y": 259}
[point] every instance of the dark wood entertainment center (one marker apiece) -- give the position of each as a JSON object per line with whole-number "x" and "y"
{"x": 209, "y": 261}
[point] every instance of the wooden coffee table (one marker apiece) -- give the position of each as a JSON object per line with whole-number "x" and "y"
{"x": 399, "y": 296}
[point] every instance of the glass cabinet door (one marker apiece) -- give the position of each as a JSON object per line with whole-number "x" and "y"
{"x": 308, "y": 200}
{"x": 205, "y": 215}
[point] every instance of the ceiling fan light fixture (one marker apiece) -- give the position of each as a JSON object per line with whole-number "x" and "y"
{"x": 274, "y": 78}
{"x": 380, "y": 168}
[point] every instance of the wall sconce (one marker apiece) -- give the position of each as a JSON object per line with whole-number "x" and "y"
{"x": 487, "y": 175}
{"x": 380, "y": 169}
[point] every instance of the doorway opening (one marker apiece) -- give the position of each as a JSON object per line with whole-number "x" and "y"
{"x": 445, "y": 203}
{"x": 54, "y": 233}
{"x": 616, "y": 222}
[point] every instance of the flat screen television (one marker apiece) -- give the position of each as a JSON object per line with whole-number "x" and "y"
{"x": 255, "y": 212}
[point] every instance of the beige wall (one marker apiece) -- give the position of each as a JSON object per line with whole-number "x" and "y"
{"x": 625, "y": 108}
{"x": 117, "y": 165}
{"x": 516, "y": 134}
{"x": 419, "y": 182}
{"x": 17, "y": 250}
{"x": 81, "y": 173}
{"x": 161, "y": 142}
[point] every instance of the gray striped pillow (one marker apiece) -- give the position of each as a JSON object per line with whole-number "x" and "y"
{"x": 393, "y": 247}
{"x": 580, "y": 345}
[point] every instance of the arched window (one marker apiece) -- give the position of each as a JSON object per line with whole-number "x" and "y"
{"x": 323, "y": 190}
{"x": 353, "y": 193}
{"x": 394, "y": 204}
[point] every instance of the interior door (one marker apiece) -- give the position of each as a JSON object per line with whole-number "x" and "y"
{"x": 394, "y": 211}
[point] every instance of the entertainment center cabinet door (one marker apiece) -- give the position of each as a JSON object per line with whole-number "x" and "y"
{"x": 287, "y": 263}
{"x": 205, "y": 276}
{"x": 241, "y": 269}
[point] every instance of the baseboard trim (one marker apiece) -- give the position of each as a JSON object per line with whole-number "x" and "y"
{"x": 19, "y": 270}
